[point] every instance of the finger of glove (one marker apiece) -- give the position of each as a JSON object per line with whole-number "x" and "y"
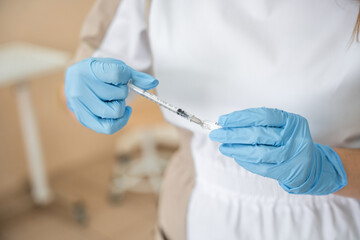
{"x": 264, "y": 117}
{"x": 108, "y": 92}
{"x": 102, "y": 125}
{"x": 143, "y": 80}
{"x": 249, "y": 135}
{"x": 110, "y": 70}
{"x": 263, "y": 169}
{"x": 103, "y": 109}
{"x": 258, "y": 154}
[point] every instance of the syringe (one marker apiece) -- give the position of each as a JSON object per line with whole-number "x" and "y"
{"x": 203, "y": 123}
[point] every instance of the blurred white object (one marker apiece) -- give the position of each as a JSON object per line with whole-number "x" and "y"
{"x": 143, "y": 173}
{"x": 19, "y": 63}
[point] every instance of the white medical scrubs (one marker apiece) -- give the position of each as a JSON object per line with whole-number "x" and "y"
{"x": 215, "y": 57}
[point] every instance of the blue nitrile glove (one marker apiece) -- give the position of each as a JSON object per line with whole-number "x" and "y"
{"x": 278, "y": 145}
{"x": 96, "y": 89}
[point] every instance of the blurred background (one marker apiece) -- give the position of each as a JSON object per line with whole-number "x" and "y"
{"x": 99, "y": 186}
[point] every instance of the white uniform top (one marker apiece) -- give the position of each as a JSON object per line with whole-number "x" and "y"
{"x": 215, "y": 57}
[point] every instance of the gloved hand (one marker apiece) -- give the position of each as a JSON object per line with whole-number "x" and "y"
{"x": 278, "y": 145}
{"x": 96, "y": 89}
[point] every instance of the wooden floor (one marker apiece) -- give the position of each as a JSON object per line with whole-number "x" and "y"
{"x": 132, "y": 218}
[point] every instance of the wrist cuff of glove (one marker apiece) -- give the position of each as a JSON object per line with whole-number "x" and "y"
{"x": 339, "y": 176}
{"x": 326, "y": 176}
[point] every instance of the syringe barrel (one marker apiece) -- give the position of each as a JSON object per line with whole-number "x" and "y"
{"x": 153, "y": 98}
{"x": 204, "y": 124}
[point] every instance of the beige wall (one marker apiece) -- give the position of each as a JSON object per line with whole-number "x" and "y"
{"x": 48, "y": 22}
{"x": 66, "y": 143}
